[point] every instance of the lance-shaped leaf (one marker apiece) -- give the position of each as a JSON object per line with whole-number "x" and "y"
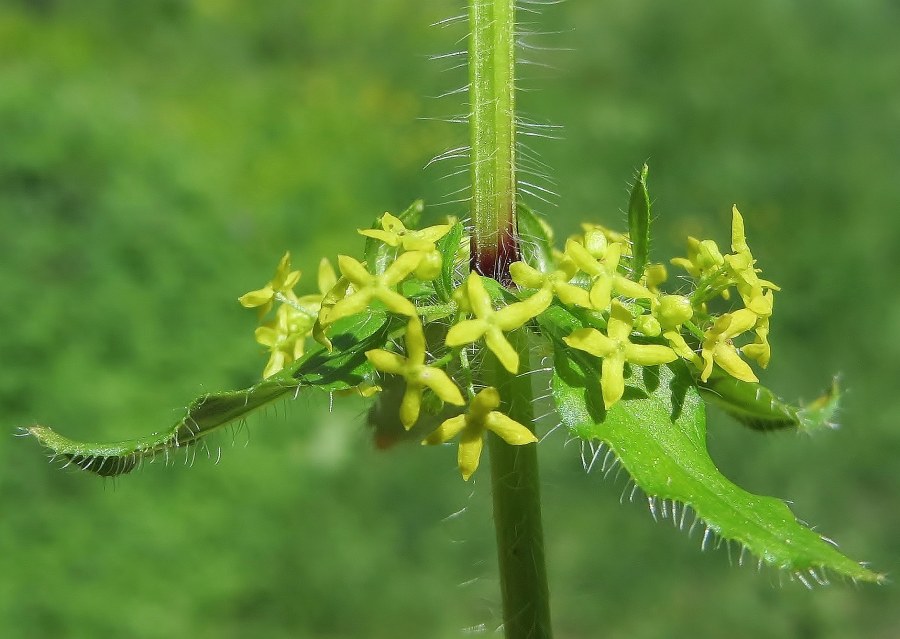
{"x": 639, "y": 224}
{"x": 537, "y": 239}
{"x": 757, "y": 407}
{"x": 658, "y": 433}
{"x": 448, "y": 246}
{"x": 343, "y": 368}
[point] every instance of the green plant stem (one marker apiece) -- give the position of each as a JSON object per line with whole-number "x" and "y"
{"x": 492, "y": 132}
{"x": 515, "y": 481}
{"x": 515, "y": 484}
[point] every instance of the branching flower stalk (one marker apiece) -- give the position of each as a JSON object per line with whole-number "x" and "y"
{"x": 437, "y": 326}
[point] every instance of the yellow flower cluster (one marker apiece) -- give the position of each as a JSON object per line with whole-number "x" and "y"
{"x": 285, "y": 334}
{"x": 643, "y": 325}
{"x": 716, "y": 274}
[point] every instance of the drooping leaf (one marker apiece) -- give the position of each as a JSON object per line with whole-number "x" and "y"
{"x": 537, "y": 241}
{"x": 658, "y": 433}
{"x": 639, "y": 224}
{"x": 344, "y": 368}
{"x": 759, "y": 408}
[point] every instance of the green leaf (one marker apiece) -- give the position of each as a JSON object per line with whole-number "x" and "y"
{"x": 757, "y": 407}
{"x": 658, "y": 433}
{"x": 537, "y": 240}
{"x": 448, "y": 246}
{"x": 639, "y": 224}
{"x": 379, "y": 255}
{"x": 342, "y": 369}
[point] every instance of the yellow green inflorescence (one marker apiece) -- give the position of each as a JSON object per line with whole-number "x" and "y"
{"x": 643, "y": 324}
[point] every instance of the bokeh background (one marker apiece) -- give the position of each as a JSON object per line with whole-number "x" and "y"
{"x": 157, "y": 157}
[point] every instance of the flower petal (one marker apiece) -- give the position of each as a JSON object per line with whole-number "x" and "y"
{"x": 478, "y": 296}
{"x": 386, "y": 361}
{"x": 526, "y": 276}
{"x": 258, "y": 297}
{"x": 591, "y": 341}
{"x": 275, "y": 364}
{"x": 410, "y": 405}
{"x": 612, "y": 381}
{"x": 601, "y": 292}
{"x": 484, "y": 402}
{"x": 582, "y": 258}
{"x": 513, "y": 316}
{"x": 391, "y": 239}
{"x": 449, "y": 429}
{"x": 572, "y": 295}
{"x": 394, "y": 301}
{"x": 727, "y": 357}
{"x": 439, "y": 382}
{"x": 415, "y": 342}
{"x": 501, "y": 347}
{"x": 351, "y": 305}
{"x": 470, "y": 446}
{"x": 327, "y": 278}
{"x": 620, "y": 322}
{"x": 354, "y": 271}
{"x": 400, "y": 269}
{"x": 466, "y": 331}
{"x": 511, "y": 431}
{"x": 650, "y": 354}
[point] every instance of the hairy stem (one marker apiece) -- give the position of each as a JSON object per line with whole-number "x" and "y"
{"x": 495, "y": 245}
{"x": 492, "y": 131}
{"x": 517, "y": 512}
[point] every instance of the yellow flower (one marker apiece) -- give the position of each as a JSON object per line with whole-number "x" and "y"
{"x": 718, "y": 347}
{"x": 655, "y": 275}
{"x": 472, "y": 426}
{"x": 704, "y": 258}
{"x": 605, "y": 279}
{"x": 741, "y": 263}
{"x": 418, "y": 376}
{"x": 283, "y": 282}
{"x": 491, "y": 324}
{"x": 395, "y": 234}
{"x": 312, "y": 304}
{"x": 556, "y": 282}
{"x": 284, "y": 336}
{"x": 370, "y": 287}
{"x": 759, "y": 350}
{"x": 592, "y": 230}
{"x": 671, "y": 310}
{"x": 681, "y": 348}
{"x": 615, "y": 348}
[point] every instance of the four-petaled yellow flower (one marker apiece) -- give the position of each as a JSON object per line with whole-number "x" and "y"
{"x": 556, "y": 282}
{"x": 491, "y": 324}
{"x": 370, "y": 287}
{"x": 418, "y": 376}
{"x": 395, "y": 233}
{"x": 717, "y": 345}
{"x": 283, "y": 282}
{"x": 472, "y": 426}
{"x": 615, "y": 348}
{"x": 605, "y": 279}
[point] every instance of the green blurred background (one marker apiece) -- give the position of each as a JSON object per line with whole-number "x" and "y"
{"x": 157, "y": 157}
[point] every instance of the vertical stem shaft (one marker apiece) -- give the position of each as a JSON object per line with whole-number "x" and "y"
{"x": 517, "y": 512}
{"x": 493, "y": 141}
{"x": 495, "y": 245}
